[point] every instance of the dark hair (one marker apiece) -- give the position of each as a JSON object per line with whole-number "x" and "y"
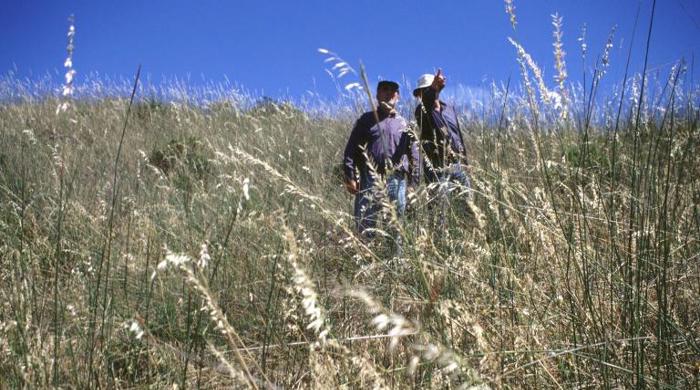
{"x": 390, "y": 84}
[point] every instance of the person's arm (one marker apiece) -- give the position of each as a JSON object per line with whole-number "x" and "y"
{"x": 463, "y": 153}
{"x": 351, "y": 150}
{"x": 431, "y": 95}
{"x": 413, "y": 161}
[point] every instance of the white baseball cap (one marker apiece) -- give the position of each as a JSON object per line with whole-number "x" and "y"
{"x": 424, "y": 80}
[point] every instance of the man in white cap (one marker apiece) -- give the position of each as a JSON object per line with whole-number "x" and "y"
{"x": 444, "y": 149}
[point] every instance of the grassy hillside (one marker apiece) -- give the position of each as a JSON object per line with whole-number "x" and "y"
{"x": 220, "y": 251}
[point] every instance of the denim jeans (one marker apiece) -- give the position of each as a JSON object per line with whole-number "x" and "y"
{"x": 453, "y": 175}
{"x": 368, "y": 201}
{"x": 451, "y": 180}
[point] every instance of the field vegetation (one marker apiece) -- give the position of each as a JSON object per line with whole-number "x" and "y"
{"x": 205, "y": 240}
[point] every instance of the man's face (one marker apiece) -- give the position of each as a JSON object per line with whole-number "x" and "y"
{"x": 387, "y": 94}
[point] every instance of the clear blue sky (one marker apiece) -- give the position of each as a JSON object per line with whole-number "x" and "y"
{"x": 270, "y": 46}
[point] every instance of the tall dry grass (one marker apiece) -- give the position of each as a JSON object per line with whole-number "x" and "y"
{"x": 233, "y": 260}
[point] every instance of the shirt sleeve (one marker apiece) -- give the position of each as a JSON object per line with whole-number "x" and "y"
{"x": 458, "y": 143}
{"x": 414, "y": 161}
{"x": 351, "y": 150}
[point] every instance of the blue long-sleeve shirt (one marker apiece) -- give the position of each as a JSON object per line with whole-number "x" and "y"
{"x": 401, "y": 146}
{"x": 440, "y": 134}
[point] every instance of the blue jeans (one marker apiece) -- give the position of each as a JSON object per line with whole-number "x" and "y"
{"x": 368, "y": 201}
{"x": 452, "y": 177}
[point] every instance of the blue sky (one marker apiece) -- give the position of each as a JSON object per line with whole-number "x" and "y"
{"x": 270, "y": 47}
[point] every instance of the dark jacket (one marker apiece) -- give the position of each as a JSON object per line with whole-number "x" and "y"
{"x": 366, "y": 135}
{"x": 440, "y": 134}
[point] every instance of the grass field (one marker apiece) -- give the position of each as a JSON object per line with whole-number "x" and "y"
{"x": 211, "y": 245}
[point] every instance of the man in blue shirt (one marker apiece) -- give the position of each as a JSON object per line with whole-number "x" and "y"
{"x": 441, "y": 138}
{"x": 380, "y": 145}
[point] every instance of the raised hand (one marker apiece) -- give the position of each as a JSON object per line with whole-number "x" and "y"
{"x": 439, "y": 81}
